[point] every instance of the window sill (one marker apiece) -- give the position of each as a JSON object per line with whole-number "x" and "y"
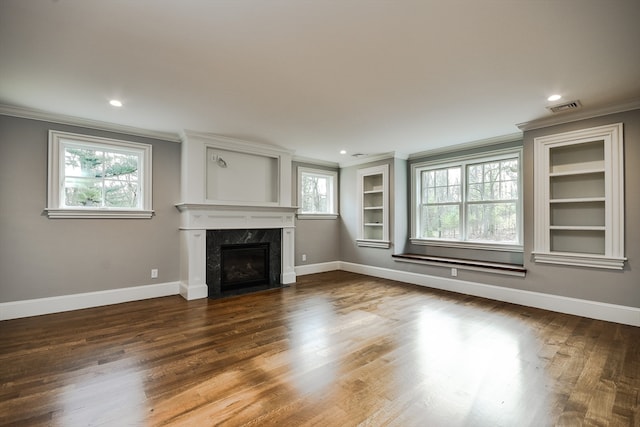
{"x": 316, "y": 216}
{"x": 463, "y": 264}
{"x": 371, "y": 243}
{"x": 98, "y": 214}
{"x": 468, "y": 245}
{"x": 580, "y": 260}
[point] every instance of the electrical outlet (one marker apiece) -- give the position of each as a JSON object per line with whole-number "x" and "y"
{"x": 454, "y": 272}
{"x": 154, "y": 273}
{"x": 304, "y": 257}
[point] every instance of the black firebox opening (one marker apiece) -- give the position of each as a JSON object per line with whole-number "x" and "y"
{"x": 244, "y": 265}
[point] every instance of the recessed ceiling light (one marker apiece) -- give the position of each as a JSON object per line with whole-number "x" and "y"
{"x": 554, "y": 97}
{"x": 343, "y": 151}
{"x": 115, "y": 103}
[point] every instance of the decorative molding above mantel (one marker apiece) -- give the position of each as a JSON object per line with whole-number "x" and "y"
{"x": 231, "y": 184}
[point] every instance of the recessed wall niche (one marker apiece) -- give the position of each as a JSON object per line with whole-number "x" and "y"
{"x": 241, "y": 177}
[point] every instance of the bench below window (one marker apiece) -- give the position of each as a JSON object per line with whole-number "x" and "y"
{"x": 464, "y": 264}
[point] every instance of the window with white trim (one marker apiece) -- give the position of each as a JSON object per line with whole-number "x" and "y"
{"x": 93, "y": 177}
{"x": 317, "y": 193}
{"x": 470, "y": 201}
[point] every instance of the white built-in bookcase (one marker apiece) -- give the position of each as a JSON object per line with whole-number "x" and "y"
{"x": 373, "y": 213}
{"x": 579, "y": 198}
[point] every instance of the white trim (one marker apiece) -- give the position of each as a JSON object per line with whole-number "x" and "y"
{"x": 45, "y": 116}
{"x": 578, "y": 307}
{"x": 193, "y": 291}
{"x": 462, "y": 162}
{"x": 315, "y": 162}
{"x": 58, "y": 140}
{"x": 316, "y": 216}
{"x": 363, "y": 192}
{"x": 611, "y": 136}
{"x": 575, "y": 116}
{"x": 483, "y": 269}
{"x": 334, "y": 186}
{"x": 39, "y": 306}
{"x": 322, "y": 267}
{"x": 468, "y": 245}
{"x": 370, "y": 158}
{"x": 97, "y": 213}
{"x": 481, "y": 143}
{"x": 371, "y": 243}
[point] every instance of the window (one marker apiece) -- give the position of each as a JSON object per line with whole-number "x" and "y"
{"x": 92, "y": 177}
{"x": 471, "y": 201}
{"x": 317, "y": 193}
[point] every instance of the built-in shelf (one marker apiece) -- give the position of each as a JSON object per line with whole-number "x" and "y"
{"x": 373, "y": 211}
{"x": 579, "y": 198}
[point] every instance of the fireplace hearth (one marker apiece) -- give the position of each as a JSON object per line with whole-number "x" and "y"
{"x": 242, "y": 261}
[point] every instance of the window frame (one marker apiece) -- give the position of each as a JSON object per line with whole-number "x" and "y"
{"x": 55, "y": 191}
{"x": 463, "y": 162}
{"x": 332, "y": 198}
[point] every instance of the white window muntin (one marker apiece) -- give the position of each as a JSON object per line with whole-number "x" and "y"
{"x": 56, "y": 205}
{"x": 463, "y": 162}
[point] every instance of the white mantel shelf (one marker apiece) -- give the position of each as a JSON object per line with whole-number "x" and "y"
{"x": 221, "y": 216}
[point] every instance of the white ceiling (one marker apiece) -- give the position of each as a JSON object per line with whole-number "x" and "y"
{"x": 317, "y": 76}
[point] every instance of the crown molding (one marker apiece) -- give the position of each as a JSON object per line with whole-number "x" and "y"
{"x": 231, "y": 143}
{"x": 373, "y": 158}
{"x": 46, "y": 116}
{"x": 311, "y": 161}
{"x": 568, "y": 117}
{"x": 487, "y": 142}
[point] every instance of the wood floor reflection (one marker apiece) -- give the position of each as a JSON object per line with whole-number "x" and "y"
{"x": 336, "y": 349}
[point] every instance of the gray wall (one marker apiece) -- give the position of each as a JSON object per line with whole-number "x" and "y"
{"x": 42, "y": 257}
{"x": 614, "y": 287}
{"x": 351, "y": 252}
{"x": 319, "y": 239}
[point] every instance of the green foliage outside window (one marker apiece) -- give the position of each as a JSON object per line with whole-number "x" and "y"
{"x": 471, "y": 201}
{"x": 100, "y": 178}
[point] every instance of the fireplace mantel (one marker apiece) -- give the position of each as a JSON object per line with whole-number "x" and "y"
{"x": 221, "y": 216}
{"x": 231, "y": 184}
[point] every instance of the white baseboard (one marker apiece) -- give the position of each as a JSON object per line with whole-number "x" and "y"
{"x": 36, "y": 307}
{"x": 322, "y": 267}
{"x": 194, "y": 291}
{"x": 579, "y": 307}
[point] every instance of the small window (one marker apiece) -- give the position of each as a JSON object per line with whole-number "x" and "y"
{"x": 473, "y": 201}
{"x": 317, "y": 193}
{"x": 92, "y": 177}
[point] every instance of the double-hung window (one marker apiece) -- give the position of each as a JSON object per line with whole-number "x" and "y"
{"x": 93, "y": 177}
{"x": 317, "y": 193}
{"x": 472, "y": 201}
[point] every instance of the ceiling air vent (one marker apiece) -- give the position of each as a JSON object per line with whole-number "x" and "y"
{"x": 358, "y": 155}
{"x": 565, "y": 107}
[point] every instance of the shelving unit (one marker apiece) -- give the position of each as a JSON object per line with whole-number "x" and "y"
{"x": 579, "y": 198}
{"x": 373, "y": 213}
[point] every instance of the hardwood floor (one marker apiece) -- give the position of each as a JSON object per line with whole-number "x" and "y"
{"x": 336, "y": 349}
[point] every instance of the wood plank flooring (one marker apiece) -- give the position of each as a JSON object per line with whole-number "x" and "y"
{"x": 336, "y": 349}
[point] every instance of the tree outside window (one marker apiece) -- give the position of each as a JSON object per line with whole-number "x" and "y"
{"x": 470, "y": 200}
{"x": 95, "y": 177}
{"x": 317, "y": 191}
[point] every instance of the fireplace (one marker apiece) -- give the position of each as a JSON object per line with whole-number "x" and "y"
{"x": 244, "y": 265}
{"x": 242, "y": 261}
